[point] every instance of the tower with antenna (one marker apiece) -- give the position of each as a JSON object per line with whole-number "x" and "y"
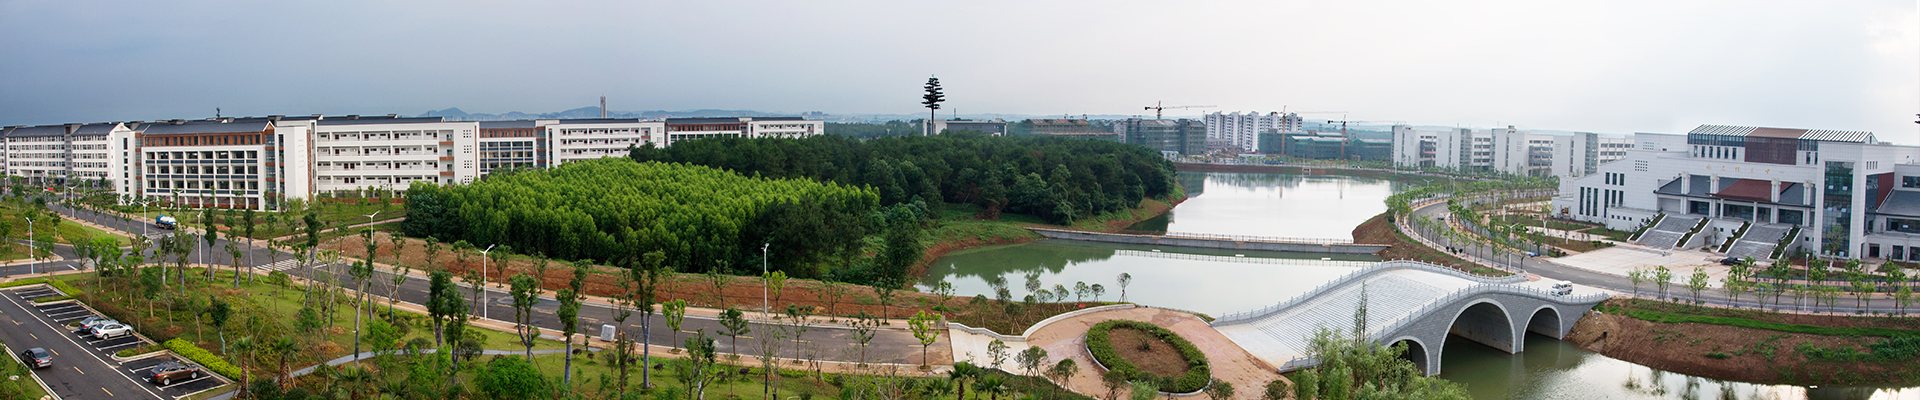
{"x": 603, "y": 106}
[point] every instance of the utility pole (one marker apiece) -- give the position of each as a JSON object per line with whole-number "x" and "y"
{"x": 484, "y": 311}
{"x": 932, "y": 101}
{"x": 765, "y": 306}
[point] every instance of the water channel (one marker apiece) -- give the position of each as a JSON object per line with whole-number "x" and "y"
{"x": 1219, "y": 281}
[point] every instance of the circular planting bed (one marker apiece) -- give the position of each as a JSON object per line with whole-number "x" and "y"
{"x": 1145, "y": 352}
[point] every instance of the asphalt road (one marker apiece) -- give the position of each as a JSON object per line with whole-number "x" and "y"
{"x": 83, "y": 368}
{"x": 1546, "y": 268}
{"x": 835, "y": 343}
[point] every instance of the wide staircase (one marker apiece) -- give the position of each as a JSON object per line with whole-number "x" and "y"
{"x": 1759, "y": 241}
{"x": 1667, "y": 234}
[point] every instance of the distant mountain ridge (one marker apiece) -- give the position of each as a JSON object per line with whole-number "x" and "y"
{"x": 455, "y": 114}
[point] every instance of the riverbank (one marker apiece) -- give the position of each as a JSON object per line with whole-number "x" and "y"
{"x": 1378, "y": 230}
{"x": 1626, "y": 329}
{"x": 1314, "y": 170}
{"x": 961, "y": 228}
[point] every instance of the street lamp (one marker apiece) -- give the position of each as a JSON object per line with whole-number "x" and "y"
{"x": 765, "y": 307}
{"x": 484, "y": 312}
{"x": 30, "y": 255}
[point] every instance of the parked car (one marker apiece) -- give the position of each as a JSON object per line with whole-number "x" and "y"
{"x": 168, "y": 372}
{"x": 1562, "y": 288}
{"x": 37, "y": 358}
{"x": 112, "y": 330}
{"x": 94, "y": 321}
{"x": 1730, "y": 261}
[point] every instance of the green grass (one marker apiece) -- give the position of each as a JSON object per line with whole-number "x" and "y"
{"x": 1675, "y": 318}
{"x": 27, "y": 388}
{"x": 331, "y": 216}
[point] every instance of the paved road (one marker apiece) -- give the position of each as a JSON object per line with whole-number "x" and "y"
{"x": 894, "y": 345}
{"x": 83, "y": 368}
{"x": 1552, "y": 270}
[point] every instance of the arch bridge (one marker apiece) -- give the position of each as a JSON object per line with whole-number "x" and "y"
{"x": 1418, "y": 303}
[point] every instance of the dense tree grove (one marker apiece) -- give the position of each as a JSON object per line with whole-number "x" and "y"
{"x": 613, "y": 209}
{"x": 1058, "y": 180}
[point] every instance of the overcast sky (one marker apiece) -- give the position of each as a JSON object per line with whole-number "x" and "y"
{"x": 1608, "y": 66}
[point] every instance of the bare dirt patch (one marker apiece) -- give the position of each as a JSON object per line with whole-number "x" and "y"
{"x": 1147, "y": 352}
{"x": 1732, "y": 353}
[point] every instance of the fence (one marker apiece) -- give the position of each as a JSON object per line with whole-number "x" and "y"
{"x": 1243, "y": 260}
{"x": 1232, "y": 318}
{"x": 1250, "y": 238}
{"x": 1480, "y": 290}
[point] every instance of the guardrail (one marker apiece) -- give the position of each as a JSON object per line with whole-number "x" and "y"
{"x": 1232, "y": 318}
{"x": 1244, "y": 260}
{"x": 1251, "y": 238}
{"x": 1479, "y": 290}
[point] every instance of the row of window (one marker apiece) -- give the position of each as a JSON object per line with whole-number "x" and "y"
{"x": 198, "y": 184}
{"x": 197, "y": 170}
{"x": 203, "y": 155}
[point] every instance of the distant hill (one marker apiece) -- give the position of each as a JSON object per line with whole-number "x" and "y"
{"x": 455, "y": 114}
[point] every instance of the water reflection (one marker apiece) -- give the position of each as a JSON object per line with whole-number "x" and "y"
{"x": 1552, "y": 369}
{"x": 1262, "y": 204}
{"x": 1162, "y": 276}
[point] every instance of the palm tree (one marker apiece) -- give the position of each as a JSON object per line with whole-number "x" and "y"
{"x": 243, "y": 348}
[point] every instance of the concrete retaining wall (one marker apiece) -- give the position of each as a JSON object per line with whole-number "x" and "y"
{"x": 1210, "y": 243}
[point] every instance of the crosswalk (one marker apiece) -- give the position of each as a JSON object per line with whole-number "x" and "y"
{"x": 282, "y": 265}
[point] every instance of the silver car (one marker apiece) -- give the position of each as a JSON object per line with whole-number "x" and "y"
{"x": 92, "y": 321}
{"x": 37, "y": 358}
{"x": 111, "y": 330}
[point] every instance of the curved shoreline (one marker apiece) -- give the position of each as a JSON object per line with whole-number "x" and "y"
{"x": 1749, "y": 355}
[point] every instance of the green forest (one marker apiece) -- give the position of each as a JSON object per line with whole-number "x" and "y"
{"x": 614, "y": 210}
{"x": 1055, "y": 179}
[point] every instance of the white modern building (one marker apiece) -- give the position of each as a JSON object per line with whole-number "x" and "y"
{"x": 1741, "y": 190}
{"x": 256, "y": 162}
{"x": 1241, "y": 132}
{"x": 1508, "y": 150}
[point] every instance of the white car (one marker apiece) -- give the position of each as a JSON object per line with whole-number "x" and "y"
{"x": 95, "y": 321}
{"x": 112, "y": 330}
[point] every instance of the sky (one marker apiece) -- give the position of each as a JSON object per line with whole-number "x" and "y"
{"x": 1610, "y": 67}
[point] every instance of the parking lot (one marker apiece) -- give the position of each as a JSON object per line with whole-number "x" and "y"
{"x": 84, "y": 366}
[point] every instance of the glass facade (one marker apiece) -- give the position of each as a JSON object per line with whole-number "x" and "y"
{"x": 1836, "y": 226}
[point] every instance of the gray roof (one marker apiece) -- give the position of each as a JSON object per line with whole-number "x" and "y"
{"x": 95, "y": 129}
{"x": 379, "y": 120}
{"x": 44, "y": 130}
{"x": 524, "y": 123}
{"x": 1901, "y": 202}
{"x": 705, "y": 120}
{"x": 778, "y": 119}
{"x": 1825, "y": 135}
{"x": 598, "y": 121}
{"x": 193, "y": 127}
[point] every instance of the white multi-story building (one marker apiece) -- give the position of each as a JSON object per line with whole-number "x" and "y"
{"x": 1845, "y": 193}
{"x": 1506, "y": 150}
{"x": 1241, "y": 132}
{"x": 257, "y": 162}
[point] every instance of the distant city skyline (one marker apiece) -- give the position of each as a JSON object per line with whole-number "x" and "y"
{"x": 1613, "y": 67}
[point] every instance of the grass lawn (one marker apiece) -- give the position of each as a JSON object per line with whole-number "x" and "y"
{"x": 25, "y": 388}
{"x": 332, "y": 215}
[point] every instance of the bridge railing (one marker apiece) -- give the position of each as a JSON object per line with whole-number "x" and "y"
{"x": 1251, "y": 238}
{"x": 1244, "y": 260}
{"x": 1479, "y": 290}
{"x": 1232, "y": 318}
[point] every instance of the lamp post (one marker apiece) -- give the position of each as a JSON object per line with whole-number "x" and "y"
{"x": 484, "y": 313}
{"x": 765, "y": 307}
{"x": 30, "y": 256}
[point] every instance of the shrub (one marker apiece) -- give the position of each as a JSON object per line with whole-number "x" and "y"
{"x": 64, "y": 287}
{"x": 50, "y": 299}
{"x": 1718, "y": 355}
{"x": 205, "y": 359}
{"x": 134, "y": 351}
{"x": 1198, "y": 373}
{"x": 24, "y": 282}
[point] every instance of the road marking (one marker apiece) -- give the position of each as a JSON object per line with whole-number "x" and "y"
{"x": 35, "y": 337}
{"x": 78, "y": 369}
{"x": 109, "y": 393}
{"x": 118, "y": 345}
{"x": 201, "y": 378}
{"x": 95, "y": 357}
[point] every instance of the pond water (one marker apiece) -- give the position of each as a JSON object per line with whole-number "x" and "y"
{"x": 1262, "y": 204}
{"x": 1214, "y": 282}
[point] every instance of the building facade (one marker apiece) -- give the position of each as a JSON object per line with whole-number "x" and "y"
{"x": 1241, "y": 132}
{"x": 258, "y": 162}
{"x": 1506, "y": 150}
{"x": 1182, "y": 136}
{"x": 1846, "y": 193}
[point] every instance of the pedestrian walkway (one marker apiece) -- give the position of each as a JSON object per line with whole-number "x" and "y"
{"x": 1067, "y": 339}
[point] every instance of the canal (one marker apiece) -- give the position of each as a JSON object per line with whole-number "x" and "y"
{"x": 1214, "y": 282}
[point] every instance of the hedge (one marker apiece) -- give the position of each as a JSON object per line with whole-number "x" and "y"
{"x": 56, "y": 283}
{"x": 50, "y": 299}
{"x": 205, "y": 359}
{"x": 1197, "y": 371}
{"x": 24, "y": 282}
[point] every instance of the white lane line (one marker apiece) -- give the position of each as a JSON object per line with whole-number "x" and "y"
{"x": 118, "y": 345}
{"x": 96, "y": 357}
{"x": 201, "y": 378}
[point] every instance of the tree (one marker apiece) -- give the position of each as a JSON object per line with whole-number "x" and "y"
{"x": 1064, "y": 370}
{"x": 862, "y": 325}
{"x": 1143, "y": 390}
{"x": 1637, "y": 275}
{"x": 833, "y": 293}
{"x": 774, "y": 281}
{"x": 735, "y": 324}
{"x": 1097, "y": 290}
{"x": 922, "y": 325}
{"x": 931, "y": 100}
{"x": 1080, "y": 290}
{"x": 1220, "y": 390}
{"x": 1696, "y": 283}
{"x": 441, "y": 295}
{"x": 885, "y": 292}
{"x": 1113, "y": 381}
{"x": 526, "y": 293}
{"x": 511, "y": 378}
{"x": 1306, "y": 384}
{"x": 646, "y": 284}
{"x": 676, "y": 312}
{"x": 997, "y": 352}
{"x": 218, "y": 312}
{"x": 569, "y": 314}
{"x": 1662, "y": 276}
{"x": 1032, "y": 359}
{"x": 245, "y": 347}
{"x": 1276, "y": 390}
{"x": 718, "y": 282}
{"x": 699, "y": 368}
{"x": 962, "y": 373}
{"x": 1124, "y": 279}
{"x": 362, "y": 276}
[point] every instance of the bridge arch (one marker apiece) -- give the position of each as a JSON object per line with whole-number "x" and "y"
{"x": 1416, "y": 352}
{"x": 1546, "y": 321}
{"x": 1485, "y": 321}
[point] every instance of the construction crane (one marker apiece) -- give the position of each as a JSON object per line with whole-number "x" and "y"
{"x": 1344, "y": 138}
{"x": 1157, "y": 108}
